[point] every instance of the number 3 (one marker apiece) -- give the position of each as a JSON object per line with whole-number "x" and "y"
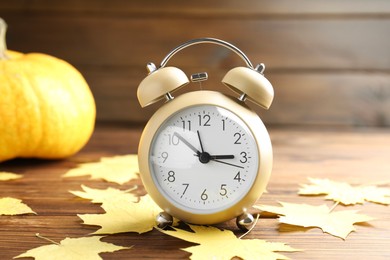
{"x": 244, "y": 158}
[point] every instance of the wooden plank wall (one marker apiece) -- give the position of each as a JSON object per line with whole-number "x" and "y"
{"x": 329, "y": 61}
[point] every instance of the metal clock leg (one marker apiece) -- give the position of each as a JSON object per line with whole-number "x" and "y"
{"x": 164, "y": 220}
{"x": 245, "y": 221}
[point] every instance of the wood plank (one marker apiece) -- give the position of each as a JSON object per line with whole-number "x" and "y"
{"x": 355, "y": 156}
{"x": 357, "y": 99}
{"x": 360, "y": 44}
{"x": 205, "y": 8}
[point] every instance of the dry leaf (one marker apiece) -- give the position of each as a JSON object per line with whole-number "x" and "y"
{"x": 84, "y": 248}
{"x": 5, "y": 176}
{"x": 118, "y": 169}
{"x": 336, "y": 223}
{"x": 223, "y": 244}
{"x": 105, "y": 196}
{"x": 12, "y": 206}
{"x": 345, "y": 193}
{"x": 124, "y": 215}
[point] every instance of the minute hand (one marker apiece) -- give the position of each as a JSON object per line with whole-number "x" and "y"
{"x": 187, "y": 143}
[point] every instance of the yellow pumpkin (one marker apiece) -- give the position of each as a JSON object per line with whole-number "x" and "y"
{"x": 46, "y": 107}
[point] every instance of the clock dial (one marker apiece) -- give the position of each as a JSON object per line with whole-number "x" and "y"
{"x": 204, "y": 159}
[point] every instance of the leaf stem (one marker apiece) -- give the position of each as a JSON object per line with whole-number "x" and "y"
{"x": 334, "y": 206}
{"x": 3, "y": 45}
{"x": 47, "y": 239}
{"x": 131, "y": 189}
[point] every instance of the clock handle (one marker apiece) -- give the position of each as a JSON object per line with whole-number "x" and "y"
{"x": 207, "y": 40}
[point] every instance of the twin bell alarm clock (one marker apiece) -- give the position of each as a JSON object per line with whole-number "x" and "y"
{"x": 205, "y": 157}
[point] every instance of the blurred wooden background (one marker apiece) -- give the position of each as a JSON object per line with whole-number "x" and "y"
{"x": 329, "y": 61}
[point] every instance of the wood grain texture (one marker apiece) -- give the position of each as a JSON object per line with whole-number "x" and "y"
{"x": 196, "y": 8}
{"x": 337, "y": 50}
{"x": 351, "y": 155}
{"x": 317, "y": 98}
{"x": 292, "y": 44}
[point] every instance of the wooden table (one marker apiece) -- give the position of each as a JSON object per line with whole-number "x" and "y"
{"x": 358, "y": 156}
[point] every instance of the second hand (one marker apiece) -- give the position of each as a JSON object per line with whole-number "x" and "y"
{"x": 235, "y": 165}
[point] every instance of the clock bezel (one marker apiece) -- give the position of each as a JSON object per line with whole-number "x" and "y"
{"x": 254, "y": 124}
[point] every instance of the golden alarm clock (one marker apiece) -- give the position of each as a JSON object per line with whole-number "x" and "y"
{"x": 205, "y": 157}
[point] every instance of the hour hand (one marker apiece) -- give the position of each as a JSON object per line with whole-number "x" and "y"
{"x": 187, "y": 143}
{"x": 221, "y": 157}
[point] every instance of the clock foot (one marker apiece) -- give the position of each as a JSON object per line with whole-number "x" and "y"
{"x": 164, "y": 220}
{"x": 245, "y": 221}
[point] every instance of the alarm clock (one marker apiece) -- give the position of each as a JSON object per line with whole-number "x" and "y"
{"x": 205, "y": 157}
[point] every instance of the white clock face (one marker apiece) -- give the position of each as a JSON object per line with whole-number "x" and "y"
{"x": 204, "y": 159}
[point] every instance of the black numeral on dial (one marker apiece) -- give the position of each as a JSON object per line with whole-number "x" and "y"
{"x": 244, "y": 158}
{"x": 223, "y": 191}
{"x": 173, "y": 139}
{"x": 186, "y": 125}
{"x": 171, "y": 176}
{"x": 185, "y": 189}
{"x": 204, "y": 195}
{"x": 205, "y": 120}
{"x": 237, "y": 177}
{"x": 164, "y": 155}
{"x": 238, "y": 137}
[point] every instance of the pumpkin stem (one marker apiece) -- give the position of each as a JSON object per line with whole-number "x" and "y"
{"x": 3, "y": 45}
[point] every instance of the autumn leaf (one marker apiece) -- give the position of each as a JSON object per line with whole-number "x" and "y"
{"x": 124, "y": 215}
{"x": 5, "y": 176}
{"x": 84, "y": 248}
{"x": 118, "y": 169}
{"x": 345, "y": 193}
{"x": 12, "y": 206}
{"x": 106, "y": 196}
{"x": 223, "y": 244}
{"x": 337, "y": 223}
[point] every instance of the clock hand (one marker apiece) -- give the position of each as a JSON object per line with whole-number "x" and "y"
{"x": 235, "y": 165}
{"x": 205, "y": 157}
{"x": 213, "y": 157}
{"x": 187, "y": 143}
{"x": 200, "y": 141}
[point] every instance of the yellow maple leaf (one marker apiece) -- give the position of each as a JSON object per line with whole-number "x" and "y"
{"x": 124, "y": 216}
{"x": 106, "y": 196}
{"x": 223, "y": 244}
{"x": 336, "y": 223}
{"x": 5, "y": 176}
{"x": 84, "y": 248}
{"x": 119, "y": 169}
{"x": 12, "y": 206}
{"x": 345, "y": 193}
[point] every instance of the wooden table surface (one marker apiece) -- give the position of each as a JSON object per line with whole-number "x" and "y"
{"x": 357, "y": 156}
